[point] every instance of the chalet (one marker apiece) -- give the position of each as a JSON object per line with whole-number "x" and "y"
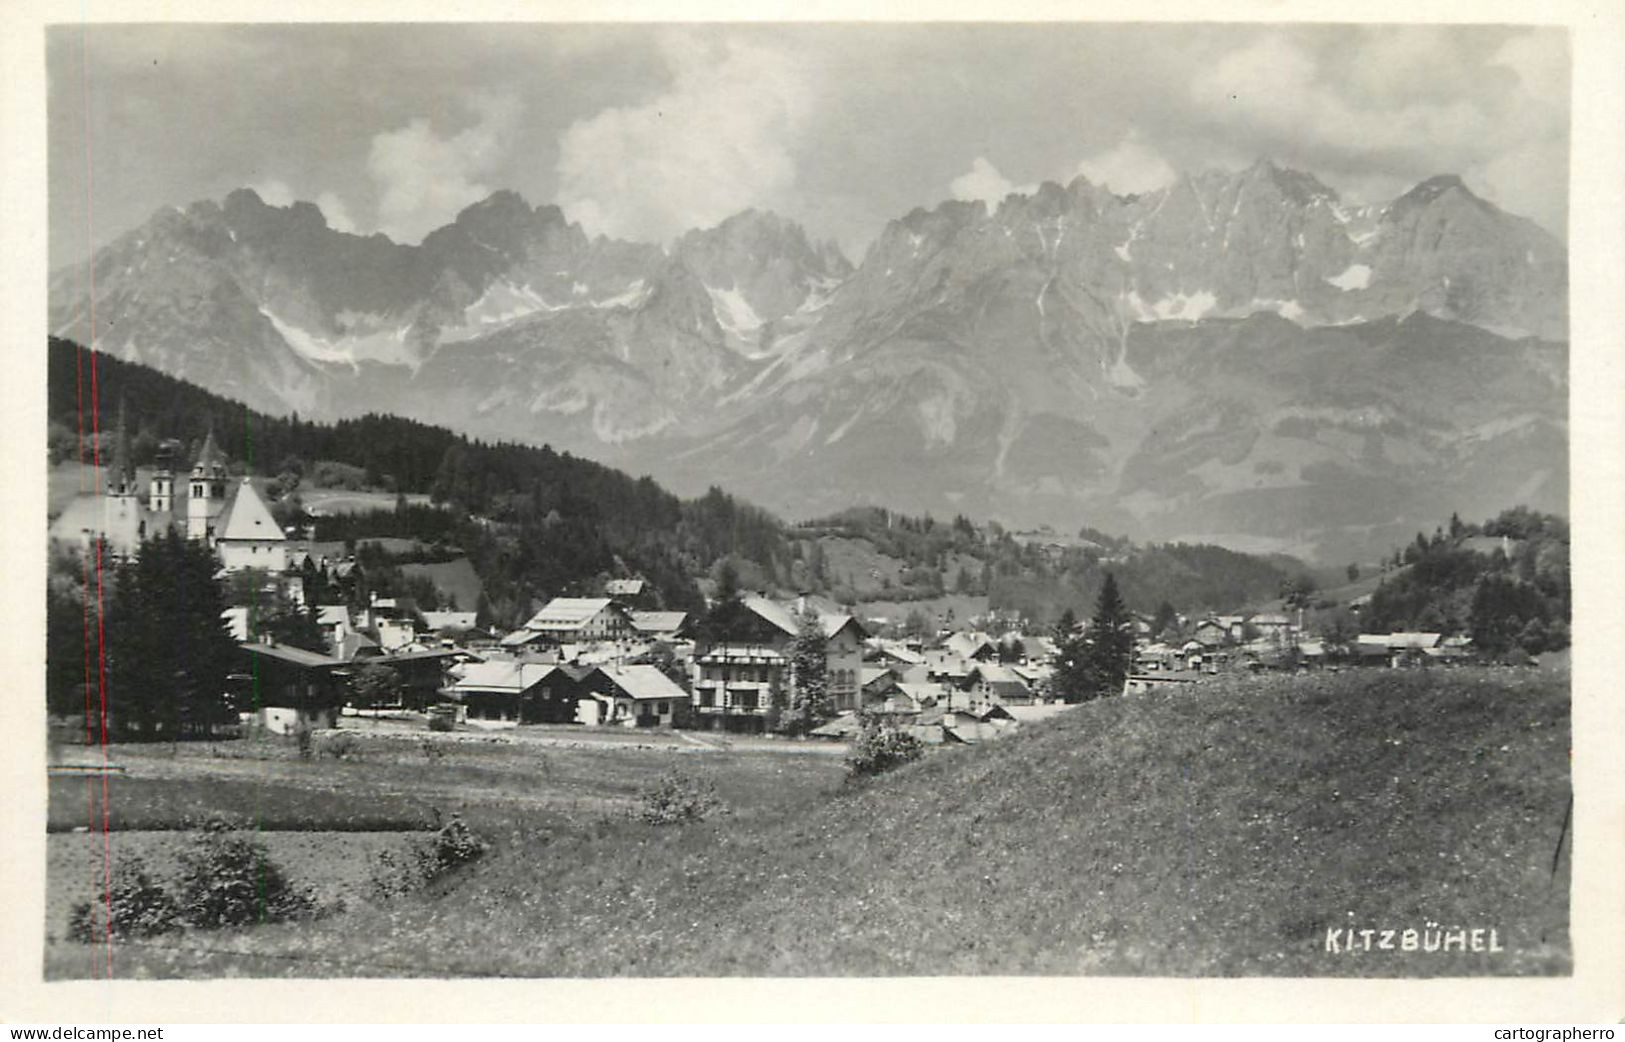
{"x": 1174, "y": 679}
{"x": 508, "y": 692}
{"x": 993, "y": 684}
{"x": 972, "y": 647}
{"x": 890, "y": 652}
{"x": 659, "y": 625}
{"x": 1400, "y": 648}
{"x": 581, "y": 619}
{"x": 287, "y": 688}
{"x": 631, "y": 696}
{"x": 1211, "y": 633}
{"x": 422, "y": 676}
{"x": 876, "y": 683}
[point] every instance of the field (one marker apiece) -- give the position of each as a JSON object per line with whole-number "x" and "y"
{"x": 328, "y": 501}
{"x": 1219, "y": 831}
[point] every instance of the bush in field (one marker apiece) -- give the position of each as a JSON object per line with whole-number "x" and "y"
{"x": 677, "y": 799}
{"x": 230, "y": 880}
{"x": 342, "y": 746}
{"x": 453, "y": 845}
{"x": 134, "y": 906}
{"x": 440, "y": 722}
{"x": 879, "y": 748}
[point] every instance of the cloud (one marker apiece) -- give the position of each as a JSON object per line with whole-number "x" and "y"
{"x": 337, "y": 214}
{"x": 1388, "y": 107}
{"x": 984, "y": 182}
{"x": 1128, "y": 169}
{"x": 719, "y": 140}
{"x": 273, "y": 192}
{"x": 424, "y": 179}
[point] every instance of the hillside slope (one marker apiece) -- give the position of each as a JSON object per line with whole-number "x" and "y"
{"x": 1220, "y": 832}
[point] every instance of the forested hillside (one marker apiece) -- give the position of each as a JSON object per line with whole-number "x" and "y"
{"x": 537, "y": 523}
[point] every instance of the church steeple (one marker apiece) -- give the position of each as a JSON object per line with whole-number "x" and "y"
{"x": 121, "y": 472}
{"x": 206, "y": 495}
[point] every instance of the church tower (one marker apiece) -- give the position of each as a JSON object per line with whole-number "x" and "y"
{"x": 206, "y": 496}
{"x": 161, "y": 489}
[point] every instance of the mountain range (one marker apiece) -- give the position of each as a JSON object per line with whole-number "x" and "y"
{"x": 1240, "y": 357}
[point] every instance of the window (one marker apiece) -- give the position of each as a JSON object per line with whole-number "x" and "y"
{"x": 663, "y": 708}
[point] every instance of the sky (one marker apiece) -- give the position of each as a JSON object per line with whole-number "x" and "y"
{"x": 645, "y": 131}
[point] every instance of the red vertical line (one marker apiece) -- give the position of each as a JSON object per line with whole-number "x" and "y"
{"x": 95, "y": 416}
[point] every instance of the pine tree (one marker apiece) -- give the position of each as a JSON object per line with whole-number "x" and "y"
{"x": 809, "y": 677}
{"x": 1110, "y": 643}
{"x": 169, "y": 650}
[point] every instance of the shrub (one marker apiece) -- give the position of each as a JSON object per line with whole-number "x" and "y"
{"x": 677, "y": 799}
{"x": 134, "y": 906}
{"x": 342, "y": 746}
{"x": 879, "y": 748}
{"x": 229, "y": 880}
{"x": 440, "y": 722}
{"x": 454, "y": 844}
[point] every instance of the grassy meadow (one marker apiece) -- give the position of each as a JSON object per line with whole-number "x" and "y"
{"x": 1214, "y": 831}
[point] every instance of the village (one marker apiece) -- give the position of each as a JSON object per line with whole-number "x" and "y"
{"x": 613, "y": 661}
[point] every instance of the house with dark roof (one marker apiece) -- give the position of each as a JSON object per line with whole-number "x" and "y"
{"x": 508, "y": 692}
{"x": 283, "y": 688}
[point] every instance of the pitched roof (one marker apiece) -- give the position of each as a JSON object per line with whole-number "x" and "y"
{"x": 248, "y": 517}
{"x": 642, "y": 682}
{"x": 567, "y": 612}
{"x": 288, "y": 653}
{"x": 969, "y": 645}
{"x": 624, "y": 587}
{"x": 332, "y": 614}
{"x": 210, "y": 458}
{"x": 504, "y": 675}
{"x": 658, "y": 621}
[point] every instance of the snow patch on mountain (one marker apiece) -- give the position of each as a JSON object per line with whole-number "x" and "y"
{"x": 634, "y": 296}
{"x": 1187, "y": 307}
{"x": 733, "y": 311}
{"x": 1355, "y": 276}
{"x": 310, "y": 347}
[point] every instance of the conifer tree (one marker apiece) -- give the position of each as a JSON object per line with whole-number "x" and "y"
{"x": 1110, "y": 643}
{"x": 169, "y": 649}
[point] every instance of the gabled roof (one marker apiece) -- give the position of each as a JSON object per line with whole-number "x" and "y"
{"x": 643, "y": 683}
{"x": 292, "y": 655}
{"x": 1270, "y": 620}
{"x": 624, "y": 587}
{"x": 658, "y": 621}
{"x": 567, "y": 612}
{"x": 332, "y": 614}
{"x": 505, "y": 675}
{"x": 248, "y": 517}
{"x": 969, "y": 645}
